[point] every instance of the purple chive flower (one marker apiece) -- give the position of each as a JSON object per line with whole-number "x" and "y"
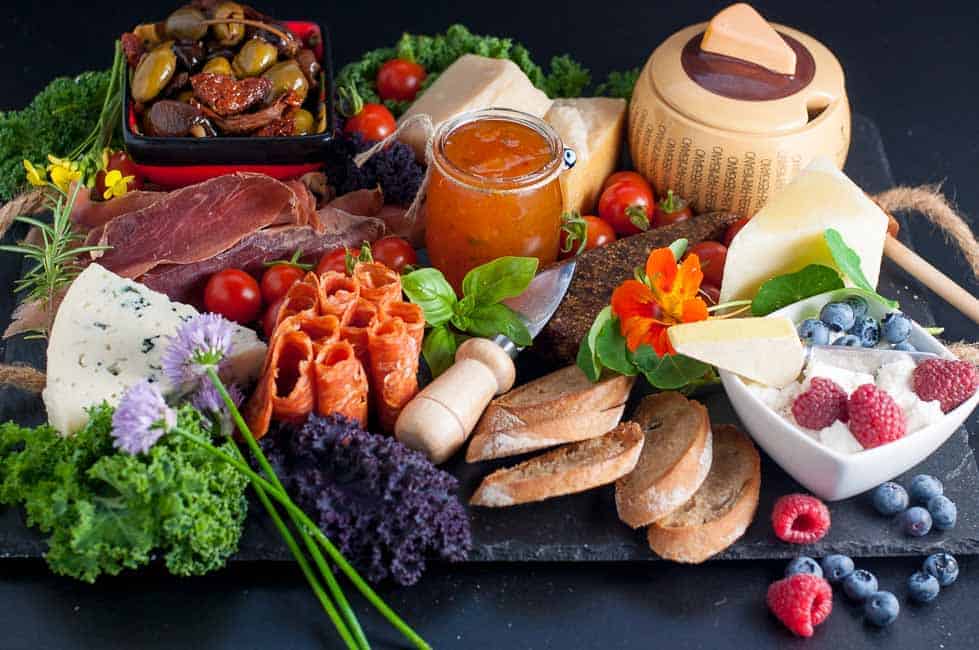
{"x": 207, "y": 399}
{"x": 201, "y": 343}
{"x": 141, "y": 419}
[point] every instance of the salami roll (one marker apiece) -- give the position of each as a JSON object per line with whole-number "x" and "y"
{"x": 341, "y": 382}
{"x": 411, "y": 314}
{"x": 285, "y": 389}
{"x": 362, "y": 318}
{"x": 338, "y": 294}
{"x": 301, "y": 299}
{"x": 393, "y": 369}
{"x": 378, "y": 283}
{"x": 321, "y": 330}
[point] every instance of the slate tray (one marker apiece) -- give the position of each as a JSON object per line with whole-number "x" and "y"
{"x": 584, "y": 527}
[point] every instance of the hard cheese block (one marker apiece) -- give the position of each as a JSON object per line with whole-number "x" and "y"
{"x": 788, "y": 233}
{"x": 766, "y": 350}
{"x": 472, "y": 83}
{"x": 592, "y": 126}
{"x": 109, "y": 334}
{"x": 740, "y": 32}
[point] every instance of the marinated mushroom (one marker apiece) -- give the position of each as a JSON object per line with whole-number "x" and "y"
{"x": 153, "y": 72}
{"x": 255, "y": 57}
{"x": 169, "y": 118}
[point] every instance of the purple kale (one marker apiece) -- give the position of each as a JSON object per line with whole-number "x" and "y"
{"x": 385, "y": 506}
{"x": 394, "y": 168}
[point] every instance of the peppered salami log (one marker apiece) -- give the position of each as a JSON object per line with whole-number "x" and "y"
{"x": 600, "y": 270}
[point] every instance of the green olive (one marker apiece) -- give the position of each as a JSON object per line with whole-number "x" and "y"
{"x": 287, "y": 76}
{"x": 147, "y": 33}
{"x": 228, "y": 33}
{"x": 186, "y": 24}
{"x": 154, "y": 72}
{"x": 255, "y": 57}
{"x": 302, "y": 122}
{"x": 218, "y": 65}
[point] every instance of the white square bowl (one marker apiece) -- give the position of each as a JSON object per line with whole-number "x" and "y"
{"x": 829, "y": 474}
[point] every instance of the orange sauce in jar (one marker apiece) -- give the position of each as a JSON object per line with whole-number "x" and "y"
{"x": 493, "y": 191}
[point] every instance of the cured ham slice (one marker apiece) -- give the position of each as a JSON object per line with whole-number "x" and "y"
{"x": 393, "y": 369}
{"x": 338, "y": 295}
{"x": 378, "y": 283}
{"x": 87, "y": 214}
{"x": 341, "y": 383}
{"x": 411, "y": 314}
{"x": 362, "y": 318}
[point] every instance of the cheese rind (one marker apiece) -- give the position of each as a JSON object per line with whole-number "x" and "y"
{"x": 592, "y": 127}
{"x": 472, "y": 83}
{"x": 766, "y": 350}
{"x": 740, "y": 32}
{"x": 789, "y": 232}
{"x": 109, "y": 334}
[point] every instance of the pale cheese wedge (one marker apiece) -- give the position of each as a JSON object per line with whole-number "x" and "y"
{"x": 472, "y": 83}
{"x": 766, "y": 350}
{"x": 740, "y": 32}
{"x": 788, "y": 233}
{"x": 592, "y": 126}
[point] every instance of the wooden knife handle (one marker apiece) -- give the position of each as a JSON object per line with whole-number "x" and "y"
{"x": 440, "y": 418}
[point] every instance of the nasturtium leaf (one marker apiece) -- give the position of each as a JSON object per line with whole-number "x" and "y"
{"x": 587, "y": 358}
{"x": 610, "y": 346}
{"x": 848, "y": 262}
{"x": 671, "y": 371}
{"x": 784, "y": 290}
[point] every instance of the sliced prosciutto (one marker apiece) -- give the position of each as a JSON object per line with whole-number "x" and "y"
{"x": 87, "y": 214}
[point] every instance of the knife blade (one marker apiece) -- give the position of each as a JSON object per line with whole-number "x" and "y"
{"x": 539, "y": 301}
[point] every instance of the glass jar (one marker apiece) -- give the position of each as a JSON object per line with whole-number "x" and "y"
{"x": 494, "y": 191}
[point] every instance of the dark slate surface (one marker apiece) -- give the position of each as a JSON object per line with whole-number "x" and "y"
{"x": 584, "y": 527}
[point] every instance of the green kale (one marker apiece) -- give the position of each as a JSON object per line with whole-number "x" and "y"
{"x": 619, "y": 84}
{"x": 56, "y": 121}
{"x": 565, "y": 78}
{"x": 106, "y": 511}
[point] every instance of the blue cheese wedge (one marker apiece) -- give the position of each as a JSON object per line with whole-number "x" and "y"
{"x": 109, "y": 333}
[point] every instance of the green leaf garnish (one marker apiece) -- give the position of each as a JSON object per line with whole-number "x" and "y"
{"x": 587, "y": 358}
{"x": 504, "y": 277}
{"x": 848, "y": 262}
{"x": 671, "y": 371}
{"x": 611, "y": 348}
{"x": 786, "y": 289}
{"x": 429, "y": 289}
{"x": 439, "y": 349}
{"x": 490, "y": 320}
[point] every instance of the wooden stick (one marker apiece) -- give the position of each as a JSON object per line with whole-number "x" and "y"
{"x": 932, "y": 278}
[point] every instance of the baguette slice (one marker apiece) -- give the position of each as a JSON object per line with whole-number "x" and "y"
{"x": 721, "y": 510}
{"x": 561, "y": 407}
{"x": 674, "y": 461}
{"x": 573, "y": 468}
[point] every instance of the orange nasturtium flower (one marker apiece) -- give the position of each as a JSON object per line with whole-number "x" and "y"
{"x": 667, "y": 296}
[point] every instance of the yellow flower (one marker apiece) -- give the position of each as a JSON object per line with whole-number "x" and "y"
{"x": 35, "y": 176}
{"x": 116, "y": 184}
{"x": 63, "y": 172}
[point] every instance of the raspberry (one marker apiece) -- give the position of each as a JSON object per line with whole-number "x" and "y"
{"x": 950, "y": 382}
{"x": 800, "y": 519}
{"x": 801, "y": 601}
{"x": 821, "y": 405}
{"x": 875, "y": 418}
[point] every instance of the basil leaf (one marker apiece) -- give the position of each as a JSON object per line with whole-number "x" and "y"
{"x": 504, "y": 277}
{"x": 848, "y": 262}
{"x": 439, "y": 349}
{"x": 587, "y": 358}
{"x": 786, "y": 289}
{"x": 490, "y": 320}
{"x": 429, "y": 289}
{"x": 461, "y": 312}
{"x": 671, "y": 371}
{"x": 610, "y": 346}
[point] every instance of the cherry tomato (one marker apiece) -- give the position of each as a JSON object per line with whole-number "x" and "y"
{"x": 270, "y": 316}
{"x": 671, "y": 209}
{"x": 234, "y": 294}
{"x": 400, "y": 79}
{"x": 121, "y": 162}
{"x": 394, "y": 253}
{"x": 597, "y": 234}
{"x": 734, "y": 229}
{"x": 710, "y": 293}
{"x": 634, "y": 177}
{"x": 712, "y": 256}
{"x": 626, "y": 206}
{"x": 335, "y": 260}
{"x": 277, "y": 279}
{"x": 374, "y": 122}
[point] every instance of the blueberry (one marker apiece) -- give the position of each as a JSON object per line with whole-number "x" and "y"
{"x": 848, "y": 341}
{"x": 836, "y": 568}
{"x": 867, "y": 330}
{"x": 943, "y": 512}
{"x": 803, "y": 564}
{"x": 923, "y": 587}
{"x": 943, "y": 566}
{"x": 837, "y": 315}
{"x": 895, "y": 327}
{"x": 915, "y": 521}
{"x": 814, "y": 332}
{"x": 923, "y": 487}
{"x": 881, "y": 608}
{"x": 904, "y": 346}
{"x": 858, "y": 305}
{"x": 890, "y": 498}
{"x": 859, "y": 585}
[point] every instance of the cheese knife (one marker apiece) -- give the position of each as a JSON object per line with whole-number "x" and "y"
{"x": 440, "y": 418}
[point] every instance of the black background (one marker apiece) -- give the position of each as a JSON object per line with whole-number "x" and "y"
{"x": 911, "y": 67}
